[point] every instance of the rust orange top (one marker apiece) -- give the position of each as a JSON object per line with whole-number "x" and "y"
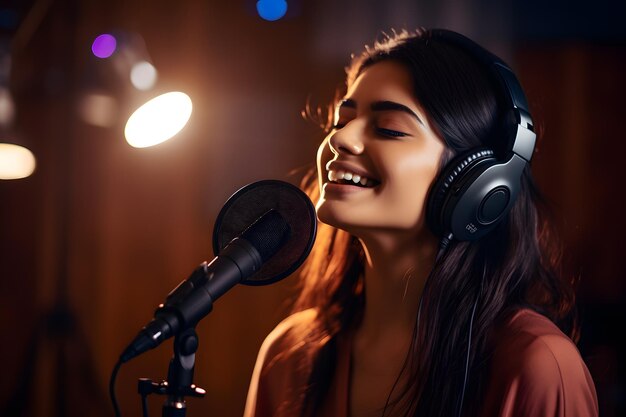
{"x": 535, "y": 371}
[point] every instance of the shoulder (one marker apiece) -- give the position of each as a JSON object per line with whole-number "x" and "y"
{"x": 534, "y": 340}
{"x": 285, "y": 342}
{"x": 537, "y": 370}
{"x": 282, "y": 367}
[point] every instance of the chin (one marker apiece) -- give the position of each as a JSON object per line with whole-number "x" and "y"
{"x": 329, "y": 214}
{"x": 324, "y": 213}
{"x": 332, "y": 214}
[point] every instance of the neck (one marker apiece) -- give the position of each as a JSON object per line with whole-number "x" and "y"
{"x": 396, "y": 270}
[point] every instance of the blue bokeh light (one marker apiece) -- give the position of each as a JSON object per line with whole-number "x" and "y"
{"x": 271, "y": 9}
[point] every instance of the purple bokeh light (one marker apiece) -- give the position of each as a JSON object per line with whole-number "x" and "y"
{"x": 104, "y": 45}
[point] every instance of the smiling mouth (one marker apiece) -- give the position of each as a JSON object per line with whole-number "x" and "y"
{"x": 349, "y": 178}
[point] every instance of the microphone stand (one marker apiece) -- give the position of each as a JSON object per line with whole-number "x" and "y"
{"x": 179, "y": 375}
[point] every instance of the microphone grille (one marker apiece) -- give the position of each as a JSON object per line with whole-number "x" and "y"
{"x": 268, "y": 234}
{"x": 248, "y": 204}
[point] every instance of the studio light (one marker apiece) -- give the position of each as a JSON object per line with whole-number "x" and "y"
{"x": 15, "y": 161}
{"x": 129, "y": 68}
{"x": 158, "y": 120}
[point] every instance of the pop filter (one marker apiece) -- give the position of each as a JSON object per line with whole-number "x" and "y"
{"x": 254, "y": 200}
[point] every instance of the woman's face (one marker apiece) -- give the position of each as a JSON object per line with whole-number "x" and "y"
{"x": 375, "y": 167}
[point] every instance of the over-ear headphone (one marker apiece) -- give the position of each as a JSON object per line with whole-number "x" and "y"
{"x": 476, "y": 190}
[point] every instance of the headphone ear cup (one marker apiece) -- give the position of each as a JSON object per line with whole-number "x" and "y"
{"x": 439, "y": 209}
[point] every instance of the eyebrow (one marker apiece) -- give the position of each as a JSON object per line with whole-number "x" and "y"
{"x": 382, "y": 106}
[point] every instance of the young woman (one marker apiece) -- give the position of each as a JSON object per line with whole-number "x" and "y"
{"x": 407, "y": 307}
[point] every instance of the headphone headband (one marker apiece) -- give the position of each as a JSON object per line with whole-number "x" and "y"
{"x": 476, "y": 190}
{"x": 523, "y": 143}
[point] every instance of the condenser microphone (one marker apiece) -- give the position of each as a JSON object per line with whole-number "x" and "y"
{"x": 263, "y": 233}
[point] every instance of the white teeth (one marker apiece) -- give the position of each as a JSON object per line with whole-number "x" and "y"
{"x": 349, "y": 176}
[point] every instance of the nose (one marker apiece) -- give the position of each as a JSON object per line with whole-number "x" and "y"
{"x": 347, "y": 140}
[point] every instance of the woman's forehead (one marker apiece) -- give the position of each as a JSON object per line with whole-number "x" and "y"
{"x": 381, "y": 79}
{"x": 386, "y": 81}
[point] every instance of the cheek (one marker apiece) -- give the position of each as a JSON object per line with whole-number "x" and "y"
{"x": 410, "y": 178}
{"x": 414, "y": 169}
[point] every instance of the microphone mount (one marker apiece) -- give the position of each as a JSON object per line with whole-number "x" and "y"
{"x": 179, "y": 378}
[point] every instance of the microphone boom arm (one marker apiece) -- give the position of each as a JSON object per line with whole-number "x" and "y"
{"x": 193, "y": 298}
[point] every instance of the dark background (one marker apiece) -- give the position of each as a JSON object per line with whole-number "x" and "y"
{"x": 95, "y": 239}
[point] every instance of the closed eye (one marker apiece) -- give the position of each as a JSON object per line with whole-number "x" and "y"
{"x": 390, "y": 133}
{"x": 380, "y": 130}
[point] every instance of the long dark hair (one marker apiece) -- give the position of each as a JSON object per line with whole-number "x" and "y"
{"x": 517, "y": 265}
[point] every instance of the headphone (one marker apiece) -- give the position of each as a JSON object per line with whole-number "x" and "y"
{"x": 476, "y": 190}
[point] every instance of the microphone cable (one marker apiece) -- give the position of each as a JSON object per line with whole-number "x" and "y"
{"x": 116, "y": 407}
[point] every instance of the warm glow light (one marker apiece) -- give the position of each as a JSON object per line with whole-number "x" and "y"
{"x": 15, "y": 162}
{"x": 98, "y": 109}
{"x": 143, "y": 75}
{"x": 158, "y": 120}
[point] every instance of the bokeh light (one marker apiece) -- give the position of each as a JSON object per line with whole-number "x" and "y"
{"x": 271, "y": 9}
{"x": 158, "y": 120}
{"x": 143, "y": 75}
{"x": 98, "y": 109}
{"x": 7, "y": 107}
{"x": 15, "y": 162}
{"x": 104, "y": 45}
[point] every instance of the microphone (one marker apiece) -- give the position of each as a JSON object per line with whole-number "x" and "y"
{"x": 281, "y": 221}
